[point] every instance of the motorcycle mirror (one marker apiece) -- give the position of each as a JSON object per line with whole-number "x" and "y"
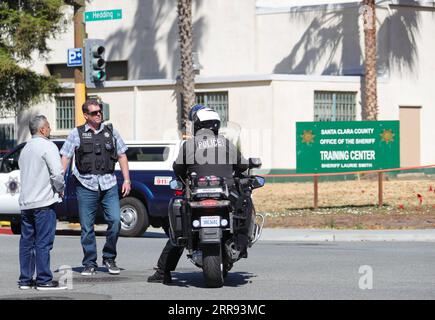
{"x": 254, "y": 163}
{"x": 258, "y": 182}
{"x": 176, "y": 185}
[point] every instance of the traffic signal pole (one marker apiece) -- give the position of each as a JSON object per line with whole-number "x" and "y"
{"x": 79, "y": 82}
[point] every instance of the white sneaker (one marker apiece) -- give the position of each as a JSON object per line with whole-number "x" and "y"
{"x": 89, "y": 271}
{"x": 53, "y": 285}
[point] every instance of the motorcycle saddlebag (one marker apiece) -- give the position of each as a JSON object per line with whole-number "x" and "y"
{"x": 175, "y": 216}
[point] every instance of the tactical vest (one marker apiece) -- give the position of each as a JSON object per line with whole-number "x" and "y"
{"x": 97, "y": 152}
{"x": 211, "y": 156}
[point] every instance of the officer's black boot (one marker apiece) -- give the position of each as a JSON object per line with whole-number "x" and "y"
{"x": 160, "y": 276}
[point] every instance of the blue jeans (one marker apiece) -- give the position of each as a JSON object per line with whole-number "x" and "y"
{"x": 88, "y": 202}
{"x": 38, "y": 228}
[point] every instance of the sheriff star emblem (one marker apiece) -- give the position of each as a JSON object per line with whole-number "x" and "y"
{"x": 387, "y": 136}
{"x": 12, "y": 186}
{"x": 308, "y": 137}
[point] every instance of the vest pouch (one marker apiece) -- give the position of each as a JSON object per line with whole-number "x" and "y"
{"x": 109, "y": 147}
{"x": 99, "y": 164}
{"x": 85, "y": 167}
{"x": 97, "y": 148}
{"x": 88, "y": 147}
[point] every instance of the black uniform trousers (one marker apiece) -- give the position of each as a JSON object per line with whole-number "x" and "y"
{"x": 169, "y": 257}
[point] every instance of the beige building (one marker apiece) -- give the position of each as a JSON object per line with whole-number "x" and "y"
{"x": 263, "y": 64}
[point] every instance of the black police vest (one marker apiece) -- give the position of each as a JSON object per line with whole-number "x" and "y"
{"x": 97, "y": 152}
{"x": 211, "y": 156}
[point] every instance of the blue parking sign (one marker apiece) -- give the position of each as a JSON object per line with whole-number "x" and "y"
{"x": 75, "y": 57}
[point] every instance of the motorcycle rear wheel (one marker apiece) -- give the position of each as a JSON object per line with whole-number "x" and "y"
{"x": 212, "y": 266}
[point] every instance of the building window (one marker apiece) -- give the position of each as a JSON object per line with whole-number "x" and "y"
{"x": 217, "y": 101}
{"x": 334, "y": 106}
{"x": 65, "y": 116}
{"x": 7, "y": 136}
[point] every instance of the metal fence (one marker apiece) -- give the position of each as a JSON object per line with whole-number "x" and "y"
{"x": 334, "y": 106}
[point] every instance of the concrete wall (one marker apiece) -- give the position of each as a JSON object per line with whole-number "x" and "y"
{"x": 313, "y": 41}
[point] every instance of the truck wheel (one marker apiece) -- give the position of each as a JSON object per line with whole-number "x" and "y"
{"x": 134, "y": 217}
{"x": 16, "y": 227}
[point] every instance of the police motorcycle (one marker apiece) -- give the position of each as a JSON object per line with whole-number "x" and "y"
{"x": 203, "y": 220}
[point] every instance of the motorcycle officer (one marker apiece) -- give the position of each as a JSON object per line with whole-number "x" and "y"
{"x": 207, "y": 153}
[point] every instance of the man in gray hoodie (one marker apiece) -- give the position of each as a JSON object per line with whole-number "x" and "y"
{"x": 42, "y": 186}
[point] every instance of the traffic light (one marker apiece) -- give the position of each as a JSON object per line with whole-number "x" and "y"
{"x": 95, "y": 64}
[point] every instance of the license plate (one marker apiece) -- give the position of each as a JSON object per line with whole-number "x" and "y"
{"x": 213, "y": 221}
{"x": 162, "y": 181}
{"x": 209, "y": 190}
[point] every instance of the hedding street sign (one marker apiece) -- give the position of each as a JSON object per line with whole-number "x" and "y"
{"x": 344, "y": 146}
{"x": 103, "y": 15}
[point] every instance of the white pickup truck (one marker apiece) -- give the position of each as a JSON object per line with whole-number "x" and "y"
{"x": 150, "y": 164}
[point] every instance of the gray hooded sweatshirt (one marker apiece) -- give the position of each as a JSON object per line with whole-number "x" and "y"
{"x": 41, "y": 174}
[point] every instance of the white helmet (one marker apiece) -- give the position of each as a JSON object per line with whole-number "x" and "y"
{"x": 206, "y": 118}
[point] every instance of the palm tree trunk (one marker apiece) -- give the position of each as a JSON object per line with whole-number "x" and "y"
{"x": 370, "y": 111}
{"x": 187, "y": 73}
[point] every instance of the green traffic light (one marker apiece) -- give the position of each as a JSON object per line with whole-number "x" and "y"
{"x": 99, "y": 75}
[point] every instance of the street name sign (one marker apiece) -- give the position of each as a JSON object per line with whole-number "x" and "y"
{"x": 344, "y": 146}
{"x": 103, "y": 15}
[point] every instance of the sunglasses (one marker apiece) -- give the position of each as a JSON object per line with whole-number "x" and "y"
{"x": 94, "y": 113}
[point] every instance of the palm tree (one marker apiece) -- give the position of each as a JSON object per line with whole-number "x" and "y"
{"x": 370, "y": 111}
{"x": 187, "y": 73}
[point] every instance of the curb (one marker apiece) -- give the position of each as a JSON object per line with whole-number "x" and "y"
{"x": 316, "y": 235}
{"x": 322, "y": 235}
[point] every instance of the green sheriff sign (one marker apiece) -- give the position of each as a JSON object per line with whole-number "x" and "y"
{"x": 344, "y": 146}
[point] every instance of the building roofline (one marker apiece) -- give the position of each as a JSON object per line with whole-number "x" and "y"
{"x": 232, "y": 79}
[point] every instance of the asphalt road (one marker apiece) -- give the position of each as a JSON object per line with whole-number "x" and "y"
{"x": 274, "y": 270}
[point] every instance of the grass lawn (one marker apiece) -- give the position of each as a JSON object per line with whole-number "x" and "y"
{"x": 349, "y": 205}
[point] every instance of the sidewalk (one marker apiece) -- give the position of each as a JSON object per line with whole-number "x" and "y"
{"x": 308, "y": 235}
{"x": 317, "y": 235}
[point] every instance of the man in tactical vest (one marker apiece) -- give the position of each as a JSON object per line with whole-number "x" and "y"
{"x": 207, "y": 153}
{"x": 97, "y": 147}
